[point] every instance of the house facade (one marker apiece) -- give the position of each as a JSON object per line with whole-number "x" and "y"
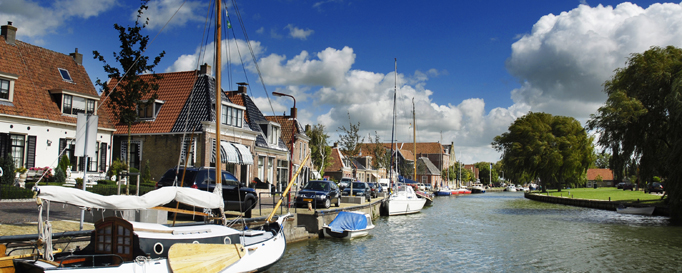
{"x": 41, "y": 93}
{"x": 293, "y": 131}
{"x": 340, "y": 167}
{"x": 179, "y": 128}
{"x": 428, "y": 173}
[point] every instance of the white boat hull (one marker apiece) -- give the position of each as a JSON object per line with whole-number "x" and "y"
{"x": 405, "y": 206}
{"x": 636, "y": 210}
{"x": 347, "y": 234}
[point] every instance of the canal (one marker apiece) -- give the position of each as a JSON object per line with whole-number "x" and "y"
{"x": 498, "y": 232}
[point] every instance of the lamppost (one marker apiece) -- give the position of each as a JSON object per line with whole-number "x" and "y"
{"x": 293, "y": 139}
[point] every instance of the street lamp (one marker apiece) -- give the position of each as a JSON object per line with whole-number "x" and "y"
{"x": 293, "y": 138}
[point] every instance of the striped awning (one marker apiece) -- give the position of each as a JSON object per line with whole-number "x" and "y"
{"x": 230, "y": 151}
{"x": 245, "y": 155}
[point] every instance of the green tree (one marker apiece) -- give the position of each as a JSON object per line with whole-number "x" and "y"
{"x": 555, "y": 149}
{"x": 320, "y": 152}
{"x": 381, "y": 156}
{"x": 484, "y": 172}
{"x": 640, "y": 123}
{"x": 602, "y": 160}
{"x": 147, "y": 174}
{"x": 350, "y": 139}
{"x": 7, "y": 165}
{"x": 132, "y": 92}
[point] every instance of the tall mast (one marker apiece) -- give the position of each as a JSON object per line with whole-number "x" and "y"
{"x": 414, "y": 139}
{"x": 395, "y": 90}
{"x": 218, "y": 98}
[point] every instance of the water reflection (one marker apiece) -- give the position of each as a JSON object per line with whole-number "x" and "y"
{"x": 497, "y": 232}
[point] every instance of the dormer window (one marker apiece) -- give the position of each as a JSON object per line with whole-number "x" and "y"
{"x": 72, "y": 103}
{"x": 149, "y": 111}
{"x": 275, "y": 133}
{"x": 7, "y": 86}
{"x": 65, "y": 75}
{"x": 232, "y": 115}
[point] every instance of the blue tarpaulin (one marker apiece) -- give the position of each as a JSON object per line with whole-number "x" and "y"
{"x": 348, "y": 221}
{"x": 406, "y": 180}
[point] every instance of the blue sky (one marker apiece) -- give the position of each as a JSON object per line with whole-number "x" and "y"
{"x": 472, "y": 67}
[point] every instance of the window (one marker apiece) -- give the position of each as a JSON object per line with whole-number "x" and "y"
{"x": 282, "y": 172}
{"x": 149, "y": 111}
{"x": 135, "y": 152}
{"x": 17, "y": 150}
{"x": 261, "y": 162}
{"x": 65, "y": 74}
{"x": 271, "y": 170}
{"x": 4, "y": 89}
{"x": 114, "y": 236}
{"x": 275, "y": 133}
{"x": 72, "y": 105}
{"x": 231, "y": 116}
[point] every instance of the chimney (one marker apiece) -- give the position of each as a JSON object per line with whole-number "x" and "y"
{"x": 9, "y": 32}
{"x": 77, "y": 57}
{"x": 308, "y": 127}
{"x": 336, "y": 145}
{"x": 205, "y": 69}
{"x": 293, "y": 112}
{"x": 241, "y": 87}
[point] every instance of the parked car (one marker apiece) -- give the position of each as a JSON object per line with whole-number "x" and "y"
{"x": 359, "y": 189}
{"x": 375, "y": 189}
{"x": 655, "y": 187}
{"x": 384, "y": 184}
{"x": 321, "y": 193}
{"x": 626, "y": 186}
{"x": 345, "y": 182}
{"x": 236, "y": 195}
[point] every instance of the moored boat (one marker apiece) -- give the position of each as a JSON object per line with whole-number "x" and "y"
{"x": 478, "y": 188}
{"x": 425, "y": 195}
{"x": 510, "y": 188}
{"x": 636, "y": 210}
{"x": 443, "y": 191}
{"x": 348, "y": 225}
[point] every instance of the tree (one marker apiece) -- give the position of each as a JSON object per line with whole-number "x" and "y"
{"x": 381, "y": 156}
{"x": 602, "y": 160}
{"x": 319, "y": 149}
{"x": 132, "y": 92}
{"x": 641, "y": 121}
{"x": 350, "y": 139}
{"x": 484, "y": 172}
{"x": 555, "y": 149}
{"x": 7, "y": 164}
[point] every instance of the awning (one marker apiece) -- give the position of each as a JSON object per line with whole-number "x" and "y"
{"x": 230, "y": 152}
{"x": 245, "y": 154}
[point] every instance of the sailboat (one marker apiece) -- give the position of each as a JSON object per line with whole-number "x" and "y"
{"x": 118, "y": 245}
{"x": 403, "y": 199}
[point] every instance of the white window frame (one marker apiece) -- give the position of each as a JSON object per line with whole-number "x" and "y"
{"x": 156, "y": 107}
{"x": 11, "y": 79}
{"x": 271, "y": 170}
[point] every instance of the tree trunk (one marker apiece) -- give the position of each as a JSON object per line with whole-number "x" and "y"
{"x": 128, "y": 161}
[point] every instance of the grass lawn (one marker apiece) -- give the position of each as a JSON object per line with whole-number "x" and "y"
{"x": 605, "y": 193}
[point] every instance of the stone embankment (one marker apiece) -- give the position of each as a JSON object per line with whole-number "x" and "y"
{"x": 588, "y": 203}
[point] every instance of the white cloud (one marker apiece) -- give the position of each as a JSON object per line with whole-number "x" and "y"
{"x": 188, "y": 62}
{"x": 33, "y": 20}
{"x": 161, "y": 11}
{"x": 298, "y": 33}
{"x": 327, "y": 70}
{"x": 566, "y": 58}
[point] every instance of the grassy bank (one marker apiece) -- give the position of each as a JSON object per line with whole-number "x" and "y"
{"x": 606, "y": 193}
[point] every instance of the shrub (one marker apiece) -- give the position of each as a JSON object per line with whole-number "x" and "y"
{"x": 116, "y": 167}
{"x": 147, "y": 174}
{"x": 59, "y": 175}
{"x": 79, "y": 183}
{"x": 64, "y": 163}
{"x": 12, "y": 192}
{"x": 106, "y": 182}
{"x": 7, "y": 165}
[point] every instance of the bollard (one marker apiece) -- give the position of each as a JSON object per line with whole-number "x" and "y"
{"x": 609, "y": 198}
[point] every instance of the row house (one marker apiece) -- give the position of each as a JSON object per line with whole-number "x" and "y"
{"x": 428, "y": 173}
{"x": 41, "y": 93}
{"x": 180, "y": 128}
{"x": 293, "y": 134}
{"x": 270, "y": 152}
{"x": 340, "y": 166}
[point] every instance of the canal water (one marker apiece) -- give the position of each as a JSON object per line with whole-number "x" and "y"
{"x": 498, "y": 232}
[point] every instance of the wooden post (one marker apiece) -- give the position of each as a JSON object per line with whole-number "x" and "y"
{"x": 286, "y": 191}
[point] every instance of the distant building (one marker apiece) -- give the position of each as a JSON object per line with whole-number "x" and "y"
{"x": 605, "y": 175}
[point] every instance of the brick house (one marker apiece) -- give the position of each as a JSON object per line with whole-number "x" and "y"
{"x": 185, "y": 110}
{"x": 41, "y": 93}
{"x": 292, "y": 129}
{"x": 606, "y": 176}
{"x": 428, "y": 173}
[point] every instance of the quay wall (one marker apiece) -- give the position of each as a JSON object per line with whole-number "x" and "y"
{"x": 588, "y": 203}
{"x": 312, "y": 223}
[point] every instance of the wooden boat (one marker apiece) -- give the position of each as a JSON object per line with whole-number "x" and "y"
{"x": 636, "y": 210}
{"x": 348, "y": 225}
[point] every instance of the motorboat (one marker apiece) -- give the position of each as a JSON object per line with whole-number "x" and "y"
{"x": 348, "y": 225}
{"x": 636, "y": 210}
{"x": 425, "y": 195}
{"x": 478, "y": 188}
{"x": 510, "y": 188}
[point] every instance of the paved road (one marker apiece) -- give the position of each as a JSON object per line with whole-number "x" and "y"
{"x": 21, "y": 212}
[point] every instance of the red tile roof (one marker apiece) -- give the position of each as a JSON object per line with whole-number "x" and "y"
{"x": 606, "y": 174}
{"x": 287, "y": 127}
{"x": 423, "y": 148}
{"x": 337, "y": 164}
{"x": 174, "y": 90}
{"x": 37, "y": 70}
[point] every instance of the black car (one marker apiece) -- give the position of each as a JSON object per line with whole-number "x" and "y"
{"x": 360, "y": 189}
{"x": 320, "y": 193}
{"x": 625, "y": 186}
{"x": 236, "y": 195}
{"x": 655, "y": 187}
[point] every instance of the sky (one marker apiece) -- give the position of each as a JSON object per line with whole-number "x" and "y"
{"x": 471, "y": 68}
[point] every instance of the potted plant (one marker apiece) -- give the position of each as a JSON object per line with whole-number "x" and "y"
{"x": 22, "y": 175}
